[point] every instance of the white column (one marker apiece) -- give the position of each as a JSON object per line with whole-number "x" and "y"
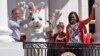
{"x": 4, "y": 30}
{"x": 97, "y": 23}
{"x": 7, "y": 47}
{"x": 83, "y": 11}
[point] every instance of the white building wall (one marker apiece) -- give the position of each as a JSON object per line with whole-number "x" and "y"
{"x": 83, "y": 11}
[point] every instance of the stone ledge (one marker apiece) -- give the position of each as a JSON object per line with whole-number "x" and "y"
{"x": 11, "y": 45}
{"x": 11, "y": 49}
{"x": 11, "y": 52}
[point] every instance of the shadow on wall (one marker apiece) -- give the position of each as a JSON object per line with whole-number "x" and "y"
{"x": 13, "y": 4}
{"x": 56, "y": 4}
{"x": 53, "y": 4}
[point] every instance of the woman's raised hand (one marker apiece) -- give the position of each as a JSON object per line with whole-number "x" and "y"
{"x": 95, "y": 5}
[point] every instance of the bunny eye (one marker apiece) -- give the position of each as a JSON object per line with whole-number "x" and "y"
{"x": 40, "y": 18}
{"x": 32, "y": 19}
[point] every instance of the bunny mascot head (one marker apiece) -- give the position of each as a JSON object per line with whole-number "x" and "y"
{"x": 37, "y": 21}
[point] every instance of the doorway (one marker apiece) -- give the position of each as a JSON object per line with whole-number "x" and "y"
{"x": 91, "y": 26}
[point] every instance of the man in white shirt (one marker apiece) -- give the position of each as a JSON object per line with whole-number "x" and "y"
{"x": 15, "y": 22}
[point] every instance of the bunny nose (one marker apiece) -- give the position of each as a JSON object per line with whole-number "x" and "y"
{"x": 37, "y": 22}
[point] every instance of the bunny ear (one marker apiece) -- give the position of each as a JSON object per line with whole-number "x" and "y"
{"x": 31, "y": 7}
{"x": 40, "y": 7}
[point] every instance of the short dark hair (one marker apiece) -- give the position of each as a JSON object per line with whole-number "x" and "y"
{"x": 60, "y": 24}
{"x": 15, "y": 9}
{"x": 69, "y": 17}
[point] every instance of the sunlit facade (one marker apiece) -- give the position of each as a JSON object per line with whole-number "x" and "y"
{"x": 11, "y": 48}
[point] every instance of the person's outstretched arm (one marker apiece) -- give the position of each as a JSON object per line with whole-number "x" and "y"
{"x": 86, "y": 21}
